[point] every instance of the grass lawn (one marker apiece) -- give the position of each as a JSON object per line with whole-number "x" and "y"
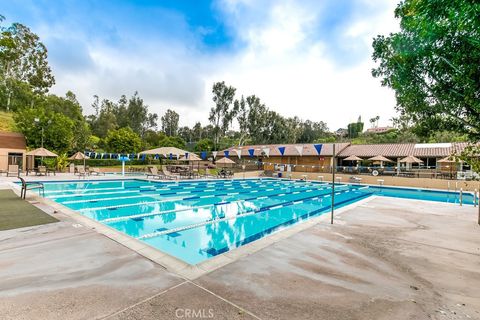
{"x": 18, "y": 213}
{"x": 6, "y": 121}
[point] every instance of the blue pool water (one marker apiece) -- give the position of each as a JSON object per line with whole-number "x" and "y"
{"x": 196, "y": 220}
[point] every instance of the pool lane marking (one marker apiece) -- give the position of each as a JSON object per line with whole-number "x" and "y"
{"x": 173, "y": 199}
{"x": 94, "y": 200}
{"x": 196, "y": 190}
{"x": 139, "y": 194}
{"x": 151, "y": 214}
{"x": 132, "y": 190}
{"x": 247, "y": 213}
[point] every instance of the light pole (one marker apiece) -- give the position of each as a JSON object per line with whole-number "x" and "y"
{"x": 333, "y": 184}
{"x": 37, "y": 121}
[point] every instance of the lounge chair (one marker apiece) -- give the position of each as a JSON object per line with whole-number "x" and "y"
{"x": 81, "y": 172}
{"x": 153, "y": 172}
{"x": 96, "y": 172}
{"x": 168, "y": 174}
{"x": 42, "y": 171}
{"x": 30, "y": 185}
{"x": 13, "y": 170}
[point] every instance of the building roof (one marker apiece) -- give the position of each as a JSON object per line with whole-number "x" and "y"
{"x": 432, "y": 150}
{"x": 308, "y": 149}
{"x": 12, "y": 140}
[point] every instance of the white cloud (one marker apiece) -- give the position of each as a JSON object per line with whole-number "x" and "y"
{"x": 284, "y": 60}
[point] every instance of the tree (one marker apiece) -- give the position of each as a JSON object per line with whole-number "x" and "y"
{"x": 221, "y": 115}
{"x": 257, "y": 120}
{"x": 138, "y": 118}
{"x": 176, "y": 142}
{"x": 432, "y": 64}
{"x": 204, "y": 145}
{"x": 57, "y": 128}
{"x": 170, "y": 123}
{"x": 123, "y": 140}
{"x": 23, "y": 58}
{"x": 241, "y": 109}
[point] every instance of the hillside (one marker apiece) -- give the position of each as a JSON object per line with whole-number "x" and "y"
{"x": 6, "y": 121}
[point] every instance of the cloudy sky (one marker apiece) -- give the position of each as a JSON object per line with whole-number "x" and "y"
{"x": 309, "y": 58}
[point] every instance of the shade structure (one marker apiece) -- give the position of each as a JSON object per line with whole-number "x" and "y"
{"x": 353, "y": 158}
{"x": 411, "y": 159}
{"x": 191, "y": 157}
{"x": 166, "y": 151}
{"x": 79, "y": 156}
{"x": 41, "y": 152}
{"x": 380, "y": 158}
{"x": 449, "y": 159}
{"x": 225, "y": 160}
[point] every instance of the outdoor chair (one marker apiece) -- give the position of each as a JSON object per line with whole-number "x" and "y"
{"x": 169, "y": 175}
{"x": 42, "y": 171}
{"x": 81, "y": 172}
{"x": 153, "y": 172}
{"x": 30, "y": 185}
{"x": 13, "y": 170}
{"x": 354, "y": 179}
{"x": 96, "y": 172}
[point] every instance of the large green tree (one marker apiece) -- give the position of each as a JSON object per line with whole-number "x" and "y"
{"x": 123, "y": 140}
{"x": 23, "y": 58}
{"x": 58, "y": 129}
{"x": 170, "y": 123}
{"x": 433, "y": 64}
{"x": 222, "y": 114}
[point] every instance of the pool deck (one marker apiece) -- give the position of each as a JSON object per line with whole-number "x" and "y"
{"x": 383, "y": 259}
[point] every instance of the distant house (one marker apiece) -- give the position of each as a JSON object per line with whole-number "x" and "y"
{"x": 379, "y": 129}
{"x": 341, "y": 132}
{"x": 13, "y": 148}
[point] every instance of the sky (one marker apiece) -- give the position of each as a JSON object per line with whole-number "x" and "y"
{"x": 305, "y": 58}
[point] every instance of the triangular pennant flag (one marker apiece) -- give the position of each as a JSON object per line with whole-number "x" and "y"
{"x": 171, "y": 156}
{"x": 226, "y": 153}
{"x": 203, "y": 155}
{"x": 144, "y": 156}
{"x": 214, "y": 154}
{"x": 318, "y": 147}
{"x": 251, "y": 152}
{"x": 156, "y": 157}
{"x": 138, "y": 156}
{"x": 266, "y": 151}
{"x": 186, "y": 155}
{"x": 282, "y": 150}
{"x": 299, "y": 150}
{"x": 239, "y": 153}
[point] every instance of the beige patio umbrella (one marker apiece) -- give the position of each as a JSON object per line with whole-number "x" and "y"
{"x": 411, "y": 159}
{"x": 449, "y": 159}
{"x": 380, "y": 158}
{"x": 79, "y": 156}
{"x": 225, "y": 160}
{"x": 353, "y": 158}
{"x": 41, "y": 152}
{"x": 166, "y": 151}
{"x": 191, "y": 157}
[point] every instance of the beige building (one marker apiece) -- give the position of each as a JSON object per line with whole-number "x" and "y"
{"x": 12, "y": 150}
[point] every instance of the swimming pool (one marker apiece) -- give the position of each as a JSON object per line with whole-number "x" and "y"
{"x": 197, "y": 220}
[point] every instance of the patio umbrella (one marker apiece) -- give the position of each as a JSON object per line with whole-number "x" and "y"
{"x": 353, "y": 158}
{"x": 449, "y": 159}
{"x": 191, "y": 157}
{"x": 41, "y": 152}
{"x": 225, "y": 160}
{"x": 411, "y": 159}
{"x": 79, "y": 156}
{"x": 165, "y": 151}
{"x": 380, "y": 158}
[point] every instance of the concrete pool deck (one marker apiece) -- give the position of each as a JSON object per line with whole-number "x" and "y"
{"x": 384, "y": 259}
